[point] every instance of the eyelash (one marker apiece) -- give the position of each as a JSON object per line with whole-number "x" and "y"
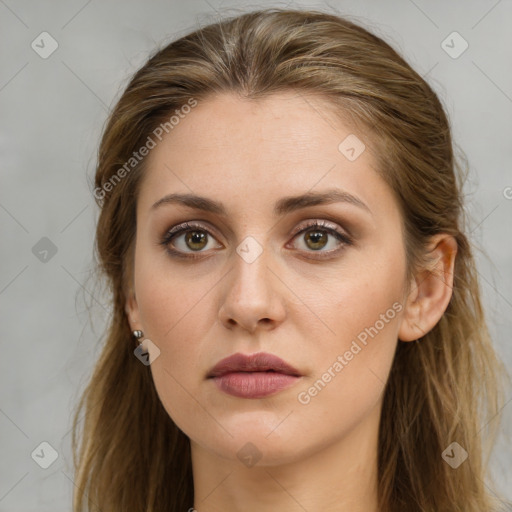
{"x": 320, "y": 225}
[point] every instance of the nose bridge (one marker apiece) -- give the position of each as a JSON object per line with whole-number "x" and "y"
{"x": 251, "y": 273}
{"x": 251, "y": 293}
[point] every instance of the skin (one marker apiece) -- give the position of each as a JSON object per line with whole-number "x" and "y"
{"x": 289, "y": 301}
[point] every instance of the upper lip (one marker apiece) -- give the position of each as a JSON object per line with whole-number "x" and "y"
{"x": 259, "y": 362}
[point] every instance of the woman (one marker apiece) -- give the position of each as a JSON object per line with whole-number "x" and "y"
{"x": 297, "y": 321}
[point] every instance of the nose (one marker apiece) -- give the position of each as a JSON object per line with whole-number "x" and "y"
{"x": 253, "y": 295}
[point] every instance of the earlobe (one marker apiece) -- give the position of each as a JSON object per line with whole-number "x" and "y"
{"x": 431, "y": 291}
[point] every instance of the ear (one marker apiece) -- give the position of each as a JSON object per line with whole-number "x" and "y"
{"x": 131, "y": 307}
{"x": 132, "y": 310}
{"x": 431, "y": 290}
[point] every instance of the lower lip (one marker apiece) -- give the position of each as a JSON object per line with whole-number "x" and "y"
{"x": 254, "y": 384}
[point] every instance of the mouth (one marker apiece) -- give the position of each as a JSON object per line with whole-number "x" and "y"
{"x": 253, "y": 376}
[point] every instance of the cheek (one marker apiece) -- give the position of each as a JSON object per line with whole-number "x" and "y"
{"x": 176, "y": 321}
{"x": 172, "y": 320}
{"x": 168, "y": 296}
{"x": 362, "y": 309}
{"x": 351, "y": 370}
{"x": 361, "y": 296}
{"x": 176, "y": 312}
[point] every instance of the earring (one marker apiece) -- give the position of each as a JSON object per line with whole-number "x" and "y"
{"x": 138, "y": 335}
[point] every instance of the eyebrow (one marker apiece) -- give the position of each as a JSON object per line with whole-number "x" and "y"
{"x": 283, "y": 206}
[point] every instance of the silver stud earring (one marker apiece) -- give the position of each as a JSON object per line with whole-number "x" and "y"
{"x": 138, "y": 335}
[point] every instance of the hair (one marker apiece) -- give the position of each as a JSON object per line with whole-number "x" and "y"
{"x": 445, "y": 388}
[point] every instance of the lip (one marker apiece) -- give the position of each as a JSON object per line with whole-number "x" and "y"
{"x": 253, "y": 375}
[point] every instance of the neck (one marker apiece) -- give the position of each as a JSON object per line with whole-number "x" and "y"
{"x": 337, "y": 477}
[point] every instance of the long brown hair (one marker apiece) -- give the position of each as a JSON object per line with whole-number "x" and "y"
{"x": 445, "y": 388}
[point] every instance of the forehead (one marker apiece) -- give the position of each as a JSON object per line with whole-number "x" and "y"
{"x": 258, "y": 151}
{"x": 283, "y": 126}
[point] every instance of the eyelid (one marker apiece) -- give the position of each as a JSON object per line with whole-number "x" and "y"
{"x": 183, "y": 227}
{"x": 322, "y": 224}
{"x": 193, "y": 224}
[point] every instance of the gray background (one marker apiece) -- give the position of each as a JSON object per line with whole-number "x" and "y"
{"x": 52, "y": 113}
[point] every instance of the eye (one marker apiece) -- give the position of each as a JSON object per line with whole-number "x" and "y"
{"x": 317, "y": 235}
{"x": 188, "y": 238}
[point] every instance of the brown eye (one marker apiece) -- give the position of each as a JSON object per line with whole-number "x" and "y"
{"x": 316, "y": 239}
{"x": 188, "y": 238}
{"x": 196, "y": 240}
{"x": 321, "y": 237}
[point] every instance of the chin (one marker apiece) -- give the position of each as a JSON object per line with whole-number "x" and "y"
{"x": 252, "y": 449}
{"x": 255, "y": 435}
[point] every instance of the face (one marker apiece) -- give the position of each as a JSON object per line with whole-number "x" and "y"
{"x": 253, "y": 269}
